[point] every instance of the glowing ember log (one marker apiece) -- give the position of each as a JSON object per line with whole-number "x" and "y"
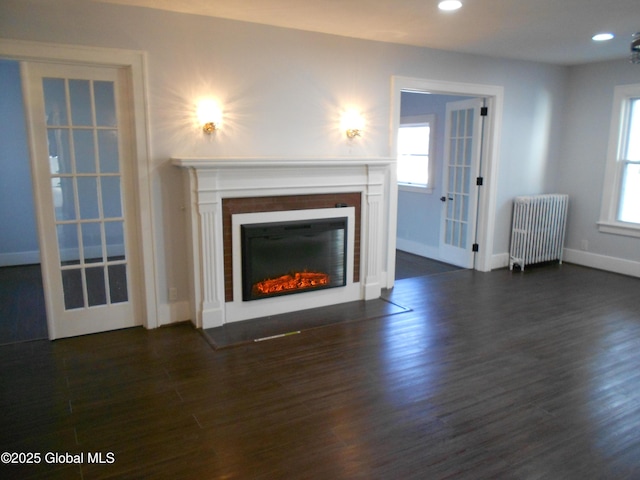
{"x": 286, "y": 283}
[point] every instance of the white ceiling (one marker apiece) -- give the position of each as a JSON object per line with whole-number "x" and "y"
{"x": 554, "y": 31}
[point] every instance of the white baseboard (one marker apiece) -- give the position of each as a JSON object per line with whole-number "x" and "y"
{"x": 499, "y": 260}
{"x": 602, "y": 262}
{"x": 174, "y": 312}
{"x": 586, "y": 259}
{"x": 19, "y": 258}
{"x": 416, "y": 248}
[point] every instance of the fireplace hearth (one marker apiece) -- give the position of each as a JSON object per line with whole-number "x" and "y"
{"x": 283, "y": 258}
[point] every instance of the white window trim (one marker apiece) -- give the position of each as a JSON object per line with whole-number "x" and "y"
{"x": 608, "y": 222}
{"x": 417, "y": 120}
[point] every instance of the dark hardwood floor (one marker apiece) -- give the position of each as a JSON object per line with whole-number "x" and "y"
{"x": 409, "y": 265}
{"x": 22, "y": 309}
{"x": 506, "y": 375}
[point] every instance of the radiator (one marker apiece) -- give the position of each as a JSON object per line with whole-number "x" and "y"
{"x": 538, "y": 228}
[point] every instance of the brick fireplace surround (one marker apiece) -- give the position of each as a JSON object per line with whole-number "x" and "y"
{"x": 219, "y": 188}
{"x": 234, "y": 206}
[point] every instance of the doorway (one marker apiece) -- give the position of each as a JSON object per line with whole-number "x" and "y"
{"x": 483, "y": 237}
{"x": 107, "y": 248}
{"x": 436, "y": 217}
{"x": 22, "y": 308}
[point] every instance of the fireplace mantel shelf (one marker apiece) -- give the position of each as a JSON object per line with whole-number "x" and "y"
{"x": 253, "y": 162}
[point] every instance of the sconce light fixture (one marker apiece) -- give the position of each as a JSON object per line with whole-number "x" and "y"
{"x": 353, "y": 132}
{"x": 209, "y": 115}
{"x": 449, "y": 5}
{"x": 209, "y": 127}
{"x": 352, "y": 124}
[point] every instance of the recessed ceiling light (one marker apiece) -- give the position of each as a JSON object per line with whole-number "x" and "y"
{"x": 602, "y": 37}
{"x": 449, "y": 5}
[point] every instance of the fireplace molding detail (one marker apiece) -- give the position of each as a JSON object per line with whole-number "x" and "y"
{"x": 210, "y": 180}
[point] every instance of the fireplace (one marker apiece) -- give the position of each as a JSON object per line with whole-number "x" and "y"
{"x": 266, "y": 187}
{"x": 283, "y": 258}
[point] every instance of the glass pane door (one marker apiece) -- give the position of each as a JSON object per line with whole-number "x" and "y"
{"x": 463, "y": 138}
{"x": 85, "y": 179}
{"x": 459, "y": 177}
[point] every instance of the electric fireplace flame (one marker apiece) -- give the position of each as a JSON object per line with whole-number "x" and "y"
{"x": 290, "y": 257}
{"x": 290, "y": 282}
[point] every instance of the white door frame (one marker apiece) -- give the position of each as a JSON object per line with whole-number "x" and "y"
{"x": 490, "y": 157}
{"x": 135, "y": 64}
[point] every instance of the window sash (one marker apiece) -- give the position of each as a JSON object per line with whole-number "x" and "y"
{"x": 414, "y": 164}
{"x": 629, "y": 205}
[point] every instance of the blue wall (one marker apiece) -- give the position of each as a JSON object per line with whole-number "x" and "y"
{"x": 18, "y": 234}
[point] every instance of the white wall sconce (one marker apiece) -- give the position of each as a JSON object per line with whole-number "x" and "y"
{"x": 353, "y": 132}
{"x": 450, "y": 5}
{"x": 209, "y": 116}
{"x": 352, "y": 124}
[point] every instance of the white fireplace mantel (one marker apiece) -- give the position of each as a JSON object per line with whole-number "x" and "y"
{"x": 210, "y": 180}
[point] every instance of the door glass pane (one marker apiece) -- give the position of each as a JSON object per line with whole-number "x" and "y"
{"x": 118, "y": 283}
{"x": 91, "y": 242}
{"x": 84, "y": 151}
{"x": 114, "y": 234}
{"x": 466, "y": 180}
{"x": 72, "y": 287}
{"x": 59, "y": 158}
{"x": 68, "y": 243}
{"x": 55, "y": 101}
{"x": 461, "y": 123}
{"x": 459, "y": 179}
{"x": 105, "y": 104}
{"x": 460, "y": 152}
{"x": 80, "y": 96}
{"x": 63, "y": 198}
{"x": 108, "y": 151}
{"x": 111, "y": 199}
{"x": 96, "y": 291}
{"x": 469, "y": 130}
{"x": 451, "y": 179}
{"x": 88, "y": 198}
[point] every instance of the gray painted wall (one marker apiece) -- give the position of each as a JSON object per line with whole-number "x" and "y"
{"x": 580, "y": 170}
{"x": 282, "y": 92}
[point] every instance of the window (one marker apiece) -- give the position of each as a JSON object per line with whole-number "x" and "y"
{"x": 414, "y": 155}
{"x": 621, "y": 199}
{"x": 630, "y": 190}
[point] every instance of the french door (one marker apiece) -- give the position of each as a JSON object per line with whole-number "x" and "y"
{"x": 82, "y": 168}
{"x": 463, "y": 133}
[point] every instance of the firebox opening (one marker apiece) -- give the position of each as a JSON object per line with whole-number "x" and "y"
{"x": 282, "y": 258}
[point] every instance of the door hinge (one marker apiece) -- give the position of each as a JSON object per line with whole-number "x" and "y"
{"x": 484, "y": 111}
{"x": 475, "y": 247}
{"x": 479, "y": 181}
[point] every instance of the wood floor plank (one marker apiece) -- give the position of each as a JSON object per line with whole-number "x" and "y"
{"x": 507, "y": 375}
